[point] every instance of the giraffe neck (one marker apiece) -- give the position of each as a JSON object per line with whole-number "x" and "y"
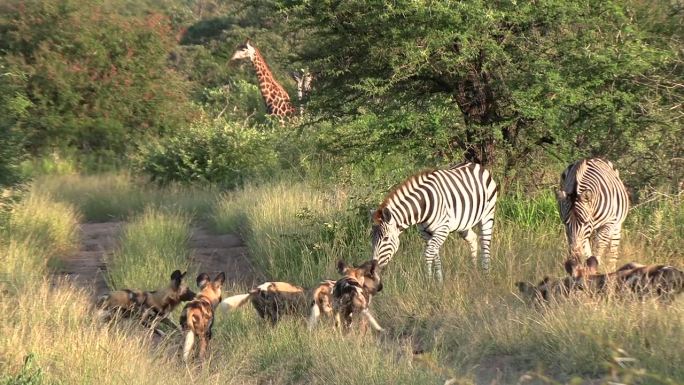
{"x": 276, "y": 98}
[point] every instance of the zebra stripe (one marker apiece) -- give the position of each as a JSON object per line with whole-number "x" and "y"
{"x": 438, "y": 202}
{"x": 592, "y": 200}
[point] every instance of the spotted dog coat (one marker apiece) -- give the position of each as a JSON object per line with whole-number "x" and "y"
{"x": 273, "y": 300}
{"x": 197, "y": 317}
{"x": 352, "y": 295}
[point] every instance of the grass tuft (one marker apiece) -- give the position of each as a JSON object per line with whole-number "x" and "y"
{"x": 153, "y": 244}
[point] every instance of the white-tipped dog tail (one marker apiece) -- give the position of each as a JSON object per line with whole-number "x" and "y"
{"x": 374, "y": 324}
{"x": 187, "y": 345}
{"x": 234, "y": 302}
{"x": 313, "y": 318}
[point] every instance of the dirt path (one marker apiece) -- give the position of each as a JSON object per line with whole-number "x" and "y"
{"x": 211, "y": 253}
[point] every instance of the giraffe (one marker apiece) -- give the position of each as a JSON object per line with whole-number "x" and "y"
{"x": 276, "y": 98}
{"x": 303, "y": 78}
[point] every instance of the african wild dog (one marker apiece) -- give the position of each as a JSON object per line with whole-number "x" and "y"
{"x": 153, "y": 307}
{"x": 197, "y": 317}
{"x": 353, "y": 292}
{"x": 660, "y": 281}
{"x": 272, "y": 300}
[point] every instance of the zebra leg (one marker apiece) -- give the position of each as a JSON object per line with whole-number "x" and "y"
{"x": 602, "y": 241}
{"x": 438, "y": 268}
{"x": 486, "y": 228}
{"x": 471, "y": 237}
{"x": 432, "y": 252}
{"x": 614, "y": 244}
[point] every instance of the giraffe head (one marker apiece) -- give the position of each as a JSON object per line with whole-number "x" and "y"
{"x": 244, "y": 51}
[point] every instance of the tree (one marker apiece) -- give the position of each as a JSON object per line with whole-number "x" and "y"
{"x": 565, "y": 75}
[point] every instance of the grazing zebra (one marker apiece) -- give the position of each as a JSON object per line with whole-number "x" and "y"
{"x": 592, "y": 199}
{"x": 439, "y": 202}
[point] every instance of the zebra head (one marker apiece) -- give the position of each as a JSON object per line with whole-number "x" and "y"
{"x": 576, "y": 210}
{"x": 384, "y": 235}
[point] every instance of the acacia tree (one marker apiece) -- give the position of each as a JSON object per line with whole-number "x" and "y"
{"x": 582, "y": 78}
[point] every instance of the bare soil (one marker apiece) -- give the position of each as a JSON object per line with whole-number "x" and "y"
{"x": 211, "y": 253}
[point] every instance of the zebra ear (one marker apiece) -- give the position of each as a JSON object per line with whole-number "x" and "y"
{"x": 561, "y": 195}
{"x": 386, "y": 215}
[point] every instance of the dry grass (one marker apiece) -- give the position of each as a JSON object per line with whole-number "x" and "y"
{"x": 467, "y": 327}
{"x": 153, "y": 244}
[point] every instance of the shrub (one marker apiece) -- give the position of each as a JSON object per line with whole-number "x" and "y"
{"x": 226, "y": 154}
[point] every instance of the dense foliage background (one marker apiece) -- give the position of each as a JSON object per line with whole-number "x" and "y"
{"x": 399, "y": 86}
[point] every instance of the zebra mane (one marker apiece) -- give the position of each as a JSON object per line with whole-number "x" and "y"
{"x": 377, "y": 215}
{"x": 581, "y": 167}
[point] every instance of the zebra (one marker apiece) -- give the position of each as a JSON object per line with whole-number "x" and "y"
{"x": 438, "y": 202}
{"x": 592, "y": 199}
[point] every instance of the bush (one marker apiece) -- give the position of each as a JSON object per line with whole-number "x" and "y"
{"x": 226, "y": 154}
{"x": 93, "y": 79}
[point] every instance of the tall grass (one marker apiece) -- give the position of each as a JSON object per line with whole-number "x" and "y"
{"x": 296, "y": 233}
{"x": 153, "y": 244}
{"x": 45, "y": 221}
{"x": 39, "y": 230}
{"x": 120, "y": 195}
{"x": 292, "y": 230}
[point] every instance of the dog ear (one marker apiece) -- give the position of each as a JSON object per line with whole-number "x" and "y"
{"x": 183, "y": 275}
{"x": 220, "y": 278}
{"x": 341, "y": 267}
{"x": 570, "y": 266}
{"x": 526, "y": 288}
{"x": 373, "y": 267}
{"x": 176, "y": 277}
{"x": 592, "y": 265}
{"x": 202, "y": 280}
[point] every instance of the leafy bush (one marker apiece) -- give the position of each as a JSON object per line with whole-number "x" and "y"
{"x": 94, "y": 79}
{"x": 226, "y": 154}
{"x": 14, "y": 105}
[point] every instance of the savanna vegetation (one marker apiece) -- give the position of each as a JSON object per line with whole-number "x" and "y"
{"x": 131, "y": 111}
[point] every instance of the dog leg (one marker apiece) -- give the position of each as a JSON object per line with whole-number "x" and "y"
{"x": 203, "y": 342}
{"x": 366, "y": 313}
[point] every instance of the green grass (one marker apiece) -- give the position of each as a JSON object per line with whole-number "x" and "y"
{"x": 115, "y": 196}
{"x": 153, "y": 244}
{"x": 295, "y": 232}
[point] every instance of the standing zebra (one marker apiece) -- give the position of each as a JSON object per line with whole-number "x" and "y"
{"x": 592, "y": 199}
{"x": 439, "y": 202}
